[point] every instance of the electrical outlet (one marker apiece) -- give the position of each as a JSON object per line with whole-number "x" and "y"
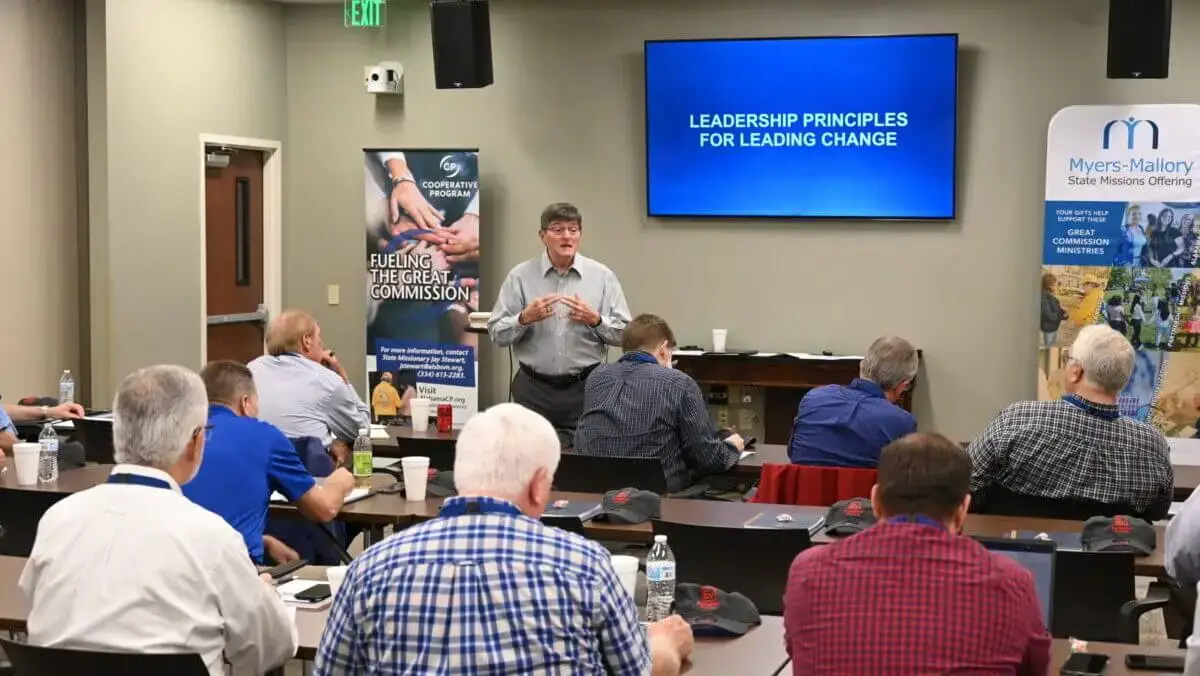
{"x": 334, "y": 292}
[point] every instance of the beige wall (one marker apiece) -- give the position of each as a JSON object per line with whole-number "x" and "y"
{"x": 163, "y": 72}
{"x": 564, "y": 122}
{"x": 40, "y": 166}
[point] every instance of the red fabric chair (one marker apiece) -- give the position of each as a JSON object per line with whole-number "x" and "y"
{"x": 815, "y": 486}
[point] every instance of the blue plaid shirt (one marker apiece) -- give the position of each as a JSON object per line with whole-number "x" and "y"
{"x": 493, "y": 594}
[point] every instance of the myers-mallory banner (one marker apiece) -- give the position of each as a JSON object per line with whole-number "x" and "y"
{"x": 423, "y": 234}
{"x": 1122, "y": 235}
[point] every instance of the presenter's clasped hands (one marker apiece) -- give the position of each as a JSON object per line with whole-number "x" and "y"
{"x": 539, "y": 308}
{"x": 581, "y": 312}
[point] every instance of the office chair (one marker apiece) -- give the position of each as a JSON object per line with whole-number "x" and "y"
{"x": 29, "y": 660}
{"x": 599, "y": 474}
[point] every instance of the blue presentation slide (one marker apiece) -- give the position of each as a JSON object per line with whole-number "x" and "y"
{"x": 849, "y": 127}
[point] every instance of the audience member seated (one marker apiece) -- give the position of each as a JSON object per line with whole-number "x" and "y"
{"x": 246, "y": 459}
{"x": 133, "y": 566}
{"x": 13, "y": 413}
{"x": 910, "y": 595}
{"x": 1078, "y": 448}
{"x": 847, "y": 425}
{"x": 1182, "y": 555}
{"x": 303, "y": 389}
{"x": 640, "y": 407}
{"x": 486, "y": 588}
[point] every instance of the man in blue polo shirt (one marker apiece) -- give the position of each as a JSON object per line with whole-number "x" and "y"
{"x": 847, "y": 425}
{"x": 246, "y": 459}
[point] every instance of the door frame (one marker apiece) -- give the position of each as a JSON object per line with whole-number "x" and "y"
{"x": 272, "y": 264}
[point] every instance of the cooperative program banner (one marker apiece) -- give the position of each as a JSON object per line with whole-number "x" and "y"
{"x": 1121, "y": 243}
{"x": 423, "y": 234}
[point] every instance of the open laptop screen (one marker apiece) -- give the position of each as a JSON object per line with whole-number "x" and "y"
{"x": 1036, "y": 556}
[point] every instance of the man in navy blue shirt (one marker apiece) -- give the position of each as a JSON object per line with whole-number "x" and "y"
{"x": 246, "y": 459}
{"x": 847, "y": 425}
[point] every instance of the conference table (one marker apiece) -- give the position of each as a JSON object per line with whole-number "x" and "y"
{"x": 760, "y": 651}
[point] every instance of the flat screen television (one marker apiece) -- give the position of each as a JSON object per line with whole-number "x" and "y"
{"x": 813, "y": 127}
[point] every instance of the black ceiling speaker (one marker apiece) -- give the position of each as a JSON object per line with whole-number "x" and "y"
{"x": 1139, "y": 38}
{"x": 462, "y": 44}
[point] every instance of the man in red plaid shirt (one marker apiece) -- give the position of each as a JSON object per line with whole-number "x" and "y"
{"x": 910, "y": 595}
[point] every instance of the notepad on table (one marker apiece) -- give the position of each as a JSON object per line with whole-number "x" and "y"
{"x": 1065, "y": 541}
{"x": 744, "y": 455}
{"x": 812, "y": 523}
{"x": 355, "y": 495}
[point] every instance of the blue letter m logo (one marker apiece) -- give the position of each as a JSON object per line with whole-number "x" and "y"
{"x": 1131, "y": 126}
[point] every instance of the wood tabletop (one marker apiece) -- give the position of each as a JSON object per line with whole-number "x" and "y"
{"x": 69, "y": 481}
{"x": 1061, "y": 649}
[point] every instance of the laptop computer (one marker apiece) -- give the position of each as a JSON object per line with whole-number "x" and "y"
{"x": 1036, "y": 556}
{"x": 96, "y": 435}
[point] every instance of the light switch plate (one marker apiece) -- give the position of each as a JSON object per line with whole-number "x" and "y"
{"x": 334, "y": 294}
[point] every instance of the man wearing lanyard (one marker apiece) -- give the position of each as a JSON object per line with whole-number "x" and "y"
{"x": 1080, "y": 447}
{"x": 134, "y": 566}
{"x": 910, "y": 595}
{"x": 486, "y": 587}
{"x": 558, "y": 312}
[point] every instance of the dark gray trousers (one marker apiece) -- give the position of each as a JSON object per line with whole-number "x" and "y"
{"x": 561, "y": 405}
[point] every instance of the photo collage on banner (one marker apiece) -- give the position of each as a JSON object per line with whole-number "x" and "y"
{"x": 423, "y": 234}
{"x": 1122, "y": 238}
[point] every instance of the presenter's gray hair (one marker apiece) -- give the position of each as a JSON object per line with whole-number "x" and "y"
{"x": 499, "y": 451}
{"x": 156, "y": 412}
{"x": 1105, "y": 356}
{"x": 889, "y": 362}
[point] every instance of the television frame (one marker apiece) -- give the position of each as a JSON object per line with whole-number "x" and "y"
{"x": 800, "y": 217}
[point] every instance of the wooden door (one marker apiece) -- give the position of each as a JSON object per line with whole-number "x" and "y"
{"x": 233, "y": 197}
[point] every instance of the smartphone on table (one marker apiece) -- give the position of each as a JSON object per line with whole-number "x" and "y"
{"x": 1084, "y": 664}
{"x": 314, "y": 594}
{"x": 1170, "y": 663}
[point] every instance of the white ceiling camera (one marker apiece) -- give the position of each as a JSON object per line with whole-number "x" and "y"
{"x": 386, "y": 77}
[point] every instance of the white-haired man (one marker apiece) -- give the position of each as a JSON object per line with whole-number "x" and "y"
{"x": 485, "y": 587}
{"x": 848, "y": 425}
{"x": 134, "y": 566}
{"x": 1078, "y": 448}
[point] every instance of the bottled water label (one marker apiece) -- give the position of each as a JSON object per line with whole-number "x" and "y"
{"x": 660, "y": 571}
{"x": 66, "y": 393}
{"x": 49, "y": 445}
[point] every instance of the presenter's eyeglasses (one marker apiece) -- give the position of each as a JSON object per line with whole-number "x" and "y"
{"x": 560, "y": 230}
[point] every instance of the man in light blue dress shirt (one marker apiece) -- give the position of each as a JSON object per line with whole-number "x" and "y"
{"x": 559, "y": 312}
{"x": 303, "y": 390}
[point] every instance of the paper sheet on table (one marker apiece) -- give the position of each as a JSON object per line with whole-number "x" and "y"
{"x": 744, "y": 455}
{"x": 379, "y": 432}
{"x": 106, "y": 417}
{"x": 356, "y": 494}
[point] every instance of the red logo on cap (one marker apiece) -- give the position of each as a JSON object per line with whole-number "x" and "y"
{"x": 621, "y": 498}
{"x": 1120, "y": 524}
{"x": 708, "y": 599}
{"x": 855, "y": 508}
{"x": 432, "y": 473}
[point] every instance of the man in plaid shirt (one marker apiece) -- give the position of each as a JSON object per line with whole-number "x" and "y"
{"x": 910, "y": 595}
{"x": 485, "y": 588}
{"x": 640, "y": 407}
{"x": 1079, "y": 447}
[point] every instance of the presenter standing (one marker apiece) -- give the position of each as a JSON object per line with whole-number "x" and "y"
{"x": 558, "y": 312}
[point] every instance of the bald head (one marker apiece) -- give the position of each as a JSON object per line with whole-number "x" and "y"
{"x": 295, "y": 331}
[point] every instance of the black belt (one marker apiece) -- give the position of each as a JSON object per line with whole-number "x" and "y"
{"x": 564, "y": 380}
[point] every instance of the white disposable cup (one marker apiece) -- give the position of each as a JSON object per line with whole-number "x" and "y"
{"x": 627, "y": 570}
{"x": 419, "y": 408}
{"x": 719, "y": 339}
{"x": 334, "y": 575}
{"x": 27, "y": 456}
{"x": 416, "y": 476}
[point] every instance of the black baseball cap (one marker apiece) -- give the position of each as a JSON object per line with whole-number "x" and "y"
{"x": 713, "y": 612}
{"x": 630, "y": 505}
{"x": 848, "y": 517}
{"x": 440, "y": 483}
{"x": 1120, "y": 533}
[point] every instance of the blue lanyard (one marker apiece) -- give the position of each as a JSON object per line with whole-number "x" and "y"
{"x": 463, "y": 506}
{"x": 138, "y": 480}
{"x": 638, "y": 356}
{"x": 917, "y": 518}
{"x": 1090, "y": 408}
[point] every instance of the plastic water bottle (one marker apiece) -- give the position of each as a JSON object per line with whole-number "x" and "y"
{"x": 48, "y": 456}
{"x": 362, "y": 459}
{"x": 660, "y": 580}
{"x": 66, "y": 388}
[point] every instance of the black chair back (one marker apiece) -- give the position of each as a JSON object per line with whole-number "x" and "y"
{"x": 97, "y": 439}
{"x": 1001, "y": 501}
{"x": 1089, "y": 590}
{"x": 759, "y": 569}
{"x": 599, "y": 474}
{"x": 28, "y": 660}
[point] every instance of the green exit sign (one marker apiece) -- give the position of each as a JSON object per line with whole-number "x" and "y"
{"x": 364, "y": 13}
